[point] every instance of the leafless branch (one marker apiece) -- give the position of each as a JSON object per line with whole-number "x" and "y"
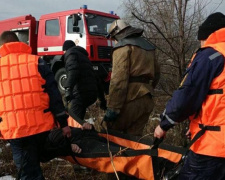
{"x": 151, "y": 22}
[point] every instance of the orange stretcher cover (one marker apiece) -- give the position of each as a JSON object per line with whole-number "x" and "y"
{"x": 130, "y": 155}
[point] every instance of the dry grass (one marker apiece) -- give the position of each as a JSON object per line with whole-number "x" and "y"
{"x": 61, "y": 170}
{"x": 6, "y": 163}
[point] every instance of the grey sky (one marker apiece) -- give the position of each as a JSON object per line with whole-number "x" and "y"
{"x": 13, "y": 8}
{"x": 213, "y": 6}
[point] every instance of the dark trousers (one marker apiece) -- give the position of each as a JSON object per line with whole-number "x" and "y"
{"x": 201, "y": 167}
{"x": 78, "y": 108}
{"x": 26, "y": 157}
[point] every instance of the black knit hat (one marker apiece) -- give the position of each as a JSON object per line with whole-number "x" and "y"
{"x": 213, "y": 23}
{"x": 68, "y": 44}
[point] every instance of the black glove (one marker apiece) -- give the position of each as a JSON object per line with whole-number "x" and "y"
{"x": 103, "y": 105}
{"x": 110, "y": 115}
{"x": 68, "y": 95}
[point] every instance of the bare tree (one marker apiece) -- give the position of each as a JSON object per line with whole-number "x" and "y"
{"x": 171, "y": 25}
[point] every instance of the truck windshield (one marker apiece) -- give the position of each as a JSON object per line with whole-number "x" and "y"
{"x": 98, "y": 25}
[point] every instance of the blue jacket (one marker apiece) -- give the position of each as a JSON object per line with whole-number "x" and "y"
{"x": 188, "y": 98}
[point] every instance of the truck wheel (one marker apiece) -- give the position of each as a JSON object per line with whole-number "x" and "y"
{"x": 60, "y": 77}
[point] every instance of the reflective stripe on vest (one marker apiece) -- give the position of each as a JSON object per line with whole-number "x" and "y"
{"x": 212, "y": 113}
{"x": 21, "y": 95}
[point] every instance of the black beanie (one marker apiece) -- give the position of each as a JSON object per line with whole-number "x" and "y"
{"x": 68, "y": 44}
{"x": 213, "y": 23}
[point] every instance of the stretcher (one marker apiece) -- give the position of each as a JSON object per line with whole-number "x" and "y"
{"x": 112, "y": 151}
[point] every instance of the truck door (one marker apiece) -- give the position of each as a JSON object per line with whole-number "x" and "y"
{"x": 78, "y": 37}
{"x": 50, "y": 41}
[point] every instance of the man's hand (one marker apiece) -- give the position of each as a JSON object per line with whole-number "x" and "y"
{"x": 159, "y": 132}
{"x": 111, "y": 115}
{"x": 188, "y": 134}
{"x": 75, "y": 148}
{"x": 66, "y": 131}
{"x": 86, "y": 126}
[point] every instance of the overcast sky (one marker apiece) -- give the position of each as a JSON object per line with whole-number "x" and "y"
{"x": 13, "y": 8}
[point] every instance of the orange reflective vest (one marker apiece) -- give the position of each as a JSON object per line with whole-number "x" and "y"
{"x": 212, "y": 114}
{"x": 23, "y": 102}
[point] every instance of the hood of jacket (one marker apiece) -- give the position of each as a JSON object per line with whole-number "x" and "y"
{"x": 129, "y": 32}
{"x": 135, "y": 41}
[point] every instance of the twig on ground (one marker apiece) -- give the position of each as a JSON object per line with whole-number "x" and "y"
{"x": 110, "y": 155}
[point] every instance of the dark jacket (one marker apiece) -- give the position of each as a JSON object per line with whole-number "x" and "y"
{"x": 55, "y": 105}
{"x": 80, "y": 75}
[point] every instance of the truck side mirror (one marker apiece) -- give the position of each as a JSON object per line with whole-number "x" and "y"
{"x": 76, "y": 19}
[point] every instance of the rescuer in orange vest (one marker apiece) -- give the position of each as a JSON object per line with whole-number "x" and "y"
{"x": 30, "y": 103}
{"x": 201, "y": 98}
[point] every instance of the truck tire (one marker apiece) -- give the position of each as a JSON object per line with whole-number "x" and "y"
{"x": 60, "y": 77}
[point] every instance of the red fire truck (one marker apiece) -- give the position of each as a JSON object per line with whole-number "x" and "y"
{"x": 87, "y": 28}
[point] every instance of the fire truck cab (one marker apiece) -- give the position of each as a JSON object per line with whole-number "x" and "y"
{"x": 87, "y": 28}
